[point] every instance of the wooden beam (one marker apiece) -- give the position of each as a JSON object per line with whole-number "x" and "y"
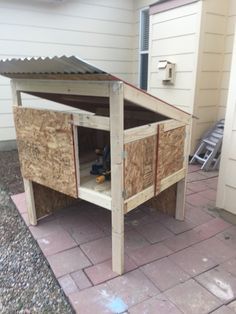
{"x": 16, "y": 95}
{"x": 29, "y": 196}
{"x": 60, "y": 76}
{"x": 117, "y": 173}
{"x": 181, "y": 185}
{"x": 152, "y": 103}
{"x": 138, "y": 199}
{"x": 140, "y": 132}
{"x": 172, "y": 179}
{"x": 76, "y": 157}
{"x": 172, "y": 124}
{"x": 91, "y": 121}
{"x": 95, "y": 197}
{"x": 85, "y": 88}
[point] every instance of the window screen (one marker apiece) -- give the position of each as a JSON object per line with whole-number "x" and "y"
{"x": 144, "y": 46}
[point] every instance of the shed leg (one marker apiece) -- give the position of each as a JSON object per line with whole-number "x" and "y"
{"x": 117, "y": 179}
{"x": 117, "y": 241}
{"x": 29, "y": 195}
{"x": 180, "y": 200}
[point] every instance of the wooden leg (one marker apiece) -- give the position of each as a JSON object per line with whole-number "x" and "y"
{"x": 117, "y": 179}
{"x": 29, "y": 194}
{"x": 180, "y": 200}
{"x": 117, "y": 241}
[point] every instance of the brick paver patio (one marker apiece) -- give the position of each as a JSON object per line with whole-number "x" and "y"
{"x": 171, "y": 266}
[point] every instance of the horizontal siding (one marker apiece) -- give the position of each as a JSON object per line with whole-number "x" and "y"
{"x": 211, "y": 59}
{"x": 230, "y": 202}
{"x": 99, "y": 31}
{"x": 232, "y": 148}
{"x": 180, "y": 98}
{"x": 180, "y": 45}
{"x": 226, "y": 192}
{"x": 183, "y": 81}
{"x": 229, "y": 39}
{"x": 174, "y": 29}
{"x": 175, "y": 38}
{"x": 7, "y": 133}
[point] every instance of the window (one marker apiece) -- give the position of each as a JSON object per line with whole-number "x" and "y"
{"x": 144, "y": 47}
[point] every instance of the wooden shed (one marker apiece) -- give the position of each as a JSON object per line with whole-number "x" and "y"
{"x": 147, "y": 138}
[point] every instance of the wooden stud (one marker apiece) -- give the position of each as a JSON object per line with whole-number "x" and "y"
{"x": 172, "y": 124}
{"x": 91, "y": 121}
{"x": 181, "y": 185}
{"x": 16, "y": 96}
{"x": 29, "y": 195}
{"x": 85, "y": 88}
{"x": 180, "y": 200}
{"x": 117, "y": 180}
{"x": 172, "y": 179}
{"x": 95, "y": 197}
{"x": 152, "y": 103}
{"x": 140, "y": 132}
{"x": 60, "y": 76}
{"x": 76, "y": 156}
{"x": 138, "y": 199}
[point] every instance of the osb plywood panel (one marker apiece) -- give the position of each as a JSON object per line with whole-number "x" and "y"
{"x": 46, "y": 151}
{"x": 165, "y": 201}
{"x": 48, "y": 200}
{"x": 170, "y": 154}
{"x": 139, "y": 165}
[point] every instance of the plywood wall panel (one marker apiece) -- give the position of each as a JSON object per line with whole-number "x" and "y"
{"x": 46, "y": 151}
{"x": 139, "y": 165}
{"x": 170, "y": 153}
{"x": 165, "y": 202}
{"x": 47, "y": 200}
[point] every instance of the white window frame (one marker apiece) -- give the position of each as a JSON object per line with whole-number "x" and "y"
{"x": 142, "y": 52}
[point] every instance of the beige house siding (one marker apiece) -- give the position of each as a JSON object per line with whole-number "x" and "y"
{"x": 226, "y": 193}
{"x": 100, "y": 31}
{"x": 209, "y": 69}
{"x": 228, "y": 47}
{"x": 175, "y": 37}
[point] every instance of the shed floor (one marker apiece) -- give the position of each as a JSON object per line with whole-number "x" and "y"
{"x": 171, "y": 267}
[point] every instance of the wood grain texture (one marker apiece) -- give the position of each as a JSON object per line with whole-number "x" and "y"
{"x": 170, "y": 155}
{"x": 47, "y": 200}
{"x": 46, "y": 150}
{"x": 165, "y": 201}
{"x": 139, "y": 165}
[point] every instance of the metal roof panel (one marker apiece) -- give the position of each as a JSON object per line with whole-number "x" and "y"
{"x": 55, "y": 65}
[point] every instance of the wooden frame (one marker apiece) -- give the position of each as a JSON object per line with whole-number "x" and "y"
{"x": 147, "y": 174}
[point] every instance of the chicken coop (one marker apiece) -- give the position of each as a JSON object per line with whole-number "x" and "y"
{"x": 116, "y": 146}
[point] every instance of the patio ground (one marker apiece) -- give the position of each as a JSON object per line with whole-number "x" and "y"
{"x": 171, "y": 266}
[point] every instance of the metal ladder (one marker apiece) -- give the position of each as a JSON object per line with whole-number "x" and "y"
{"x": 209, "y": 151}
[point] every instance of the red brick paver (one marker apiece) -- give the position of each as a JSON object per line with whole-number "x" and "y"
{"x": 170, "y": 266}
{"x": 192, "y": 298}
{"x": 158, "y": 304}
{"x": 165, "y": 273}
{"x": 68, "y": 261}
{"x": 220, "y": 283}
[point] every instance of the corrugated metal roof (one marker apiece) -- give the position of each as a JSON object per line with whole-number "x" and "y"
{"x": 55, "y": 65}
